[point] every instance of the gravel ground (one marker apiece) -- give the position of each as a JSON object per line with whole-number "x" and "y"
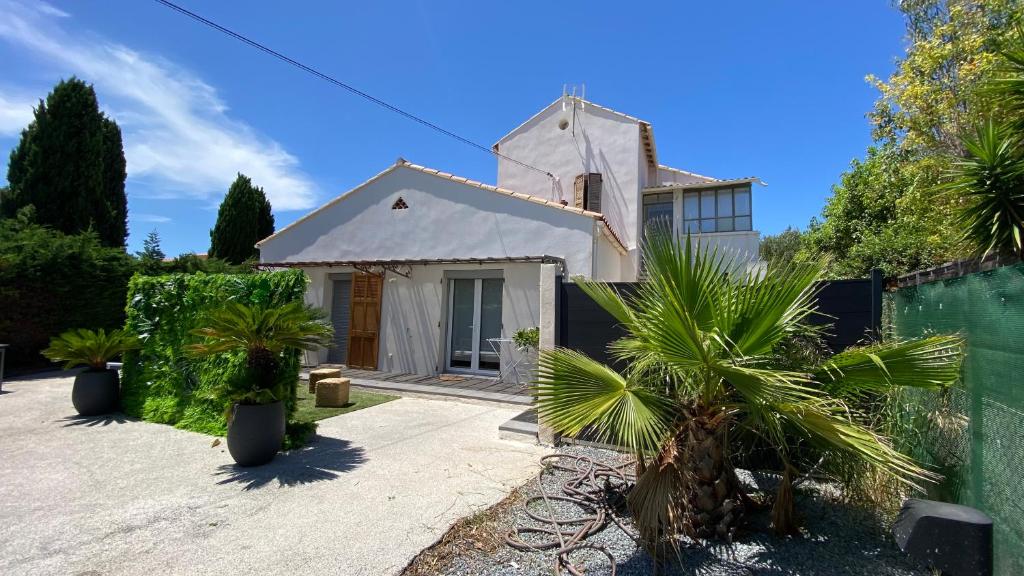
{"x": 836, "y": 541}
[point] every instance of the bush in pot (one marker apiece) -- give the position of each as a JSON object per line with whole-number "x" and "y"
{"x": 264, "y": 334}
{"x": 96, "y": 390}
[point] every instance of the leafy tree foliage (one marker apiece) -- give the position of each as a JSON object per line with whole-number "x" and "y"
{"x": 244, "y": 218}
{"x": 878, "y": 217}
{"x": 51, "y": 282}
{"x": 190, "y": 263}
{"x": 934, "y": 98}
{"x": 781, "y": 248}
{"x": 989, "y": 179}
{"x": 885, "y": 212}
{"x": 70, "y": 165}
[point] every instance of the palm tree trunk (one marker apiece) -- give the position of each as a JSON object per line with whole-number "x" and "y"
{"x": 783, "y": 518}
{"x": 715, "y": 505}
{"x": 689, "y": 487}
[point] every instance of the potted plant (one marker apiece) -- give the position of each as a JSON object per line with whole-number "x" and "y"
{"x": 97, "y": 389}
{"x": 256, "y": 417}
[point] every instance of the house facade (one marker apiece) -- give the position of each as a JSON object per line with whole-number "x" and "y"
{"x": 421, "y": 271}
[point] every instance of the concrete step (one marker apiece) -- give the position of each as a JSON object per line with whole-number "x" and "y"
{"x": 522, "y": 428}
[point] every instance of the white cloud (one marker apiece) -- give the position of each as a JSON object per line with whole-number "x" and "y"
{"x": 179, "y": 139}
{"x": 15, "y": 113}
{"x": 149, "y": 217}
{"x": 51, "y": 10}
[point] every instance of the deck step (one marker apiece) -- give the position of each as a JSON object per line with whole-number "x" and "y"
{"x": 450, "y": 391}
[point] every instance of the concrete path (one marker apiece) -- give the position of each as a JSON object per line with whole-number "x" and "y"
{"x": 116, "y": 496}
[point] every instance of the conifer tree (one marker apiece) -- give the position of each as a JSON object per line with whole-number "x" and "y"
{"x": 243, "y": 219}
{"x": 70, "y": 165}
{"x": 151, "y": 258}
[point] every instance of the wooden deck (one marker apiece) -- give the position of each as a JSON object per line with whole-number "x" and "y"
{"x": 474, "y": 387}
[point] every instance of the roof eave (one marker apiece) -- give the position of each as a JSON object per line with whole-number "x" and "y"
{"x": 702, "y": 185}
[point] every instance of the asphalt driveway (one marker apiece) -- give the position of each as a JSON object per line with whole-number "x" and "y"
{"x": 117, "y": 496}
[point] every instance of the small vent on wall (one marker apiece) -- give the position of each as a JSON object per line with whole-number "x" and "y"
{"x": 399, "y": 204}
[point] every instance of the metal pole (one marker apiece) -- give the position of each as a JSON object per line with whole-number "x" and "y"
{"x": 3, "y": 356}
{"x": 876, "y": 303}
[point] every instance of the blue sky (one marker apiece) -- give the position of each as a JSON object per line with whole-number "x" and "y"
{"x": 733, "y": 88}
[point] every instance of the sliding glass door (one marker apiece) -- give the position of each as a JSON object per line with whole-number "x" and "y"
{"x": 474, "y": 316}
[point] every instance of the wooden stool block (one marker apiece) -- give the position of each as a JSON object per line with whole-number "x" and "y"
{"x": 319, "y": 374}
{"x": 332, "y": 392}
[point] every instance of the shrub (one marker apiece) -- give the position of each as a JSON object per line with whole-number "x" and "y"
{"x": 160, "y": 383}
{"x": 527, "y": 338}
{"x": 51, "y": 282}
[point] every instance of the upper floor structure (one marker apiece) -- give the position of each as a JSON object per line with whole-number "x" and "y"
{"x": 605, "y": 161}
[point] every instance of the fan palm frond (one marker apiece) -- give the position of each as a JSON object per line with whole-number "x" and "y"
{"x": 574, "y": 392}
{"x": 932, "y": 362}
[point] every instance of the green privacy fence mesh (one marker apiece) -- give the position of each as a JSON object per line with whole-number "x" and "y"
{"x": 984, "y": 453}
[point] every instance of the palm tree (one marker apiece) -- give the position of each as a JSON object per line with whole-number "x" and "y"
{"x": 264, "y": 333}
{"x": 700, "y": 368}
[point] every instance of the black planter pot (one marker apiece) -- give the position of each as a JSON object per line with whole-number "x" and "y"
{"x": 255, "y": 433}
{"x": 96, "y": 392}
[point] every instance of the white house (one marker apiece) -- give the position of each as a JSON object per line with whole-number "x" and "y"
{"x": 419, "y": 269}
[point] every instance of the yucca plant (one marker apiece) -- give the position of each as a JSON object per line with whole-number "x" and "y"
{"x": 990, "y": 182}
{"x": 989, "y": 178}
{"x": 84, "y": 347}
{"x": 699, "y": 367}
{"x": 264, "y": 334}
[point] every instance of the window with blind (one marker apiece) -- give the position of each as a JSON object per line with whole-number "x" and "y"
{"x": 717, "y": 210}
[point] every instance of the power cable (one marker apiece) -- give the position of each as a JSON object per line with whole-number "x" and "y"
{"x": 340, "y": 84}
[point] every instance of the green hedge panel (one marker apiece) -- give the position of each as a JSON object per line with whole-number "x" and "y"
{"x": 160, "y": 383}
{"x": 51, "y": 282}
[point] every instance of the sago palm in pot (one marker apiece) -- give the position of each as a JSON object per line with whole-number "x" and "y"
{"x": 256, "y": 424}
{"x": 97, "y": 389}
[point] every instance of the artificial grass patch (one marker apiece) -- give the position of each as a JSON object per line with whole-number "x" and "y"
{"x": 306, "y": 410}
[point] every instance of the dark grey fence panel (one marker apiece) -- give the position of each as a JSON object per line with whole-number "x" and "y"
{"x": 853, "y": 307}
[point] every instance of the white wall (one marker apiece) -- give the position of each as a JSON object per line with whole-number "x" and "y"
{"x": 744, "y": 245}
{"x": 413, "y": 311}
{"x": 669, "y": 177}
{"x": 609, "y": 265}
{"x": 445, "y": 219}
{"x": 604, "y": 142}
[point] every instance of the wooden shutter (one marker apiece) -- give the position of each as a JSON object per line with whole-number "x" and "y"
{"x": 587, "y": 188}
{"x": 364, "y": 327}
{"x": 593, "y": 192}
{"x": 580, "y": 188}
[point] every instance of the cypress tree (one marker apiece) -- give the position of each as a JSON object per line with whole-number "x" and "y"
{"x": 243, "y": 219}
{"x": 112, "y": 223}
{"x": 70, "y": 165}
